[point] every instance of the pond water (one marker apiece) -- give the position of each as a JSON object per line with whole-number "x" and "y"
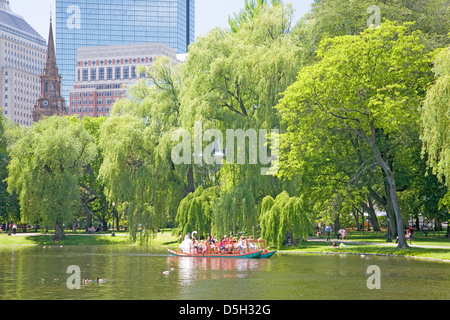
{"x": 134, "y": 273}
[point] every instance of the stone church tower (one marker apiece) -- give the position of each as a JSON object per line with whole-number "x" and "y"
{"x": 50, "y": 103}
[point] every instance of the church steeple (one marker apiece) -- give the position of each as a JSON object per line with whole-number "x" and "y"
{"x": 50, "y": 65}
{"x": 50, "y": 102}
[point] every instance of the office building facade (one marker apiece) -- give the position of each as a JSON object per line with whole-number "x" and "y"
{"x": 102, "y": 72}
{"x": 22, "y": 60}
{"x": 89, "y": 23}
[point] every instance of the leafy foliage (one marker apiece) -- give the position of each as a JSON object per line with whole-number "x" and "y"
{"x": 47, "y": 162}
{"x": 362, "y": 86}
{"x": 282, "y": 216}
{"x": 436, "y": 118}
{"x": 137, "y": 170}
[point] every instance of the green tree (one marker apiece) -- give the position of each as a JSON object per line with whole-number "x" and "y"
{"x": 362, "y": 85}
{"x": 195, "y": 212}
{"x": 9, "y": 205}
{"x": 252, "y": 8}
{"x": 137, "y": 171}
{"x": 330, "y": 18}
{"x": 94, "y": 202}
{"x": 435, "y": 120}
{"x": 233, "y": 80}
{"x": 284, "y": 216}
{"x": 47, "y": 162}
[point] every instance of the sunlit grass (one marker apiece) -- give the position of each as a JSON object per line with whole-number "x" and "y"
{"x": 79, "y": 238}
{"x": 378, "y": 249}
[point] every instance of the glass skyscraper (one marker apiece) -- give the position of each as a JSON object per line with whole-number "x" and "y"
{"x": 88, "y": 23}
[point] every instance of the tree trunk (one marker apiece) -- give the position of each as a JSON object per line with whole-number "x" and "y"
{"x": 59, "y": 232}
{"x": 372, "y": 215}
{"x": 392, "y": 188}
{"x": 337, "y": 225}
{"x": 356, "y": 216}
{"x": 398, "y": 216}
{"x": 190, "y": 179}
{"x": 390, "y": 214}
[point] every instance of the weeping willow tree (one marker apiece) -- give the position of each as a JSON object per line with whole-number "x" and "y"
{"x": 137, "y": 171}
{"x": 435, "y": 117}
{"x": 282, "y": 216}
{"x": 232, "y": 81}
{"x": 234, "y": 212}
{"x": 195, "y": 212}
{"x": 252, "y": 8}
{"x": 46, "y": 166}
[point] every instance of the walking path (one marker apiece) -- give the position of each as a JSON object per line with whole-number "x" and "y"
{"x": 389, "y": 244}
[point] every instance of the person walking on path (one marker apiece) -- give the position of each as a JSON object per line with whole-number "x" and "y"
{"x": 328, "y": 231}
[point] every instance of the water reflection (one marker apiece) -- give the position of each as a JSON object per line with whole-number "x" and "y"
{"x": 194, "y": 269}
{"x": 135, "y": 273}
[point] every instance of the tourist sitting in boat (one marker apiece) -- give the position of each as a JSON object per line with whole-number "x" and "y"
{"x": 194, "y": 245}
{"x": 231, "y": 244}
{"x": 224, "y": 244}
{"x": 203, "y": 247}
{"x": 215, "y": 245}
{"x": 211, "y": 244}
{"x": 242, "y": 245}
{"x": 251, "y": 245}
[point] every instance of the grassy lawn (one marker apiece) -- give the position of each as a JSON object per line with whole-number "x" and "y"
{"x": 381, "y": 249}
{"x": 78, "y": 238}
{"x": 436, "y": 239}
{"x": 375, "y": 243}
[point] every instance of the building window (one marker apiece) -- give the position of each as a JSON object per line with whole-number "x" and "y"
{"x": 126, "y": 72}
{"x": 101, "y": 73}
{"x": 109, "y": 73}
{"x": 133, "y": 72}
{"x": 85, "y": 74}
{"x": 118, "y": 72}
{"x": 93, "y": 74}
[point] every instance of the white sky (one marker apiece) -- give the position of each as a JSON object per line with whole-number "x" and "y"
{"x": 209, "y": 13}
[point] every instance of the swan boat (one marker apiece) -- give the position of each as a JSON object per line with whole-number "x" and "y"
{"x": 257, "y": 250}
